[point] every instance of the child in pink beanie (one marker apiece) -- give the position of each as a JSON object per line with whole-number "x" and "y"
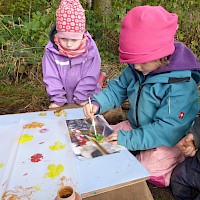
{"x": 71, "y": 62}
{"x": 161, "y": 84}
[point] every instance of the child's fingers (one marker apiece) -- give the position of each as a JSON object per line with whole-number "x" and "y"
{"x": 189, "y": 151}
{"x": 53, "y": 105}
{"x": 86, "y": 110}
{"x": 89, "y": 111}
{"x": 181, "y": 146}
{"x": 113, "y": 142}
{"x": 189, "y": 138}
{"x": 94, "y": 109}
{"x": 193, "y": 153}
{"x": 112, "y": 138}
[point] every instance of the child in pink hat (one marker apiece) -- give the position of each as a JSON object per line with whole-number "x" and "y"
{"x": 71, "y": 62}
{"x": 160, "y": 82}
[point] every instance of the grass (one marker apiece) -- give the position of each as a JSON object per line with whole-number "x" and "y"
{"x": 22, "y": 98}
{"x": 30, "y": 95}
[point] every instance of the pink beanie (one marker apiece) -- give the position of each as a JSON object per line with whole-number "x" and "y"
{"x": 70, "y": 20}
{"x": 147, "y": 34}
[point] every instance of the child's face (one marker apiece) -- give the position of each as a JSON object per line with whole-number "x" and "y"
{"x": 147, "y": 67}
{"x": 69, "y": 44}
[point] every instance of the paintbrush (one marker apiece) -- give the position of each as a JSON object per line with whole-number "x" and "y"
{"x": 99, "y": 147}
{"x": 93, "y": 122}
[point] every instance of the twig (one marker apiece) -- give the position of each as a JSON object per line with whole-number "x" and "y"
{"x": 99, "y": 147}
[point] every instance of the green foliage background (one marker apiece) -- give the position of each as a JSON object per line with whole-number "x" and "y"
{"x": 24, "y": 28}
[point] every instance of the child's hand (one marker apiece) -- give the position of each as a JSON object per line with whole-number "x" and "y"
{"x": 53, "y": 105}
{"x": 112, "y": 138}
{"x": 89, "y": 111}
{"x": 83, "y": 103}
{"x": 186, "y": 145}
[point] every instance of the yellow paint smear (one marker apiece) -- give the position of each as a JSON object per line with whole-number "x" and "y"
{"x": 60, "y": 112}
{"x": 34, "y": 125}
{"x": 25, "y": 138}
{"x": 38, "y": 188}
{"x": 43, "y": 114}
{"x": 1, "y": 165}
{"x": 57, "y": 146}
{"x": 54, "y": 171}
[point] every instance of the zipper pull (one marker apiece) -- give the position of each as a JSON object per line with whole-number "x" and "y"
{"x": 70, "y": 62}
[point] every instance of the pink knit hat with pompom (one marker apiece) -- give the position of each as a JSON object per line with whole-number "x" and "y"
{"x": 147, "y": 34}
{"x": 70, "y": 20}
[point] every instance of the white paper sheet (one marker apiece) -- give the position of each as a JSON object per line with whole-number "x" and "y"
{"x": 9, "y": 136}
{"x": 44, "y": 161}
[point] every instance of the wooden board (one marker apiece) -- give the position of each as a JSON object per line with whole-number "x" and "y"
{"x": 133, "y": 191}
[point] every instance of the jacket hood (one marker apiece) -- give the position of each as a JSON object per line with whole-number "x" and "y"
{"x": 182, "y": 59}
{"x": 91, "y": 46}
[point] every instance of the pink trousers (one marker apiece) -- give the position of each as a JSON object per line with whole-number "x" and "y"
{"x": 158, "y": 161}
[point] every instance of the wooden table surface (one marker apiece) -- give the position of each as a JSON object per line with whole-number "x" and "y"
{"x": 136, "y": 190}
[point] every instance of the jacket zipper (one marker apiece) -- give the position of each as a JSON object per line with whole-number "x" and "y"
{"x": 138, "y": 98}
{"x": 70, "y": 63}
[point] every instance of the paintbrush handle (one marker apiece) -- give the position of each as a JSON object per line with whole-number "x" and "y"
{"x": 95, "y": 131}
{"x": 93, "y": 122}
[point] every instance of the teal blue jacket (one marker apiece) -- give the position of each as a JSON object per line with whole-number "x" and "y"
{"x": 162, "y": 106}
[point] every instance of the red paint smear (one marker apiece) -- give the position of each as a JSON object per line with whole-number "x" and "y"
{"x": 41, "y": 142}
{"x": 4, "y": 183}
{"x": 43, "y": 130}
{"x": 36, "y": 157}
{"x": 81, "y": 140}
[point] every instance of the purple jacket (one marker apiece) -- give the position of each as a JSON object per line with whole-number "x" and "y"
{"x": 71, "y": 80}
